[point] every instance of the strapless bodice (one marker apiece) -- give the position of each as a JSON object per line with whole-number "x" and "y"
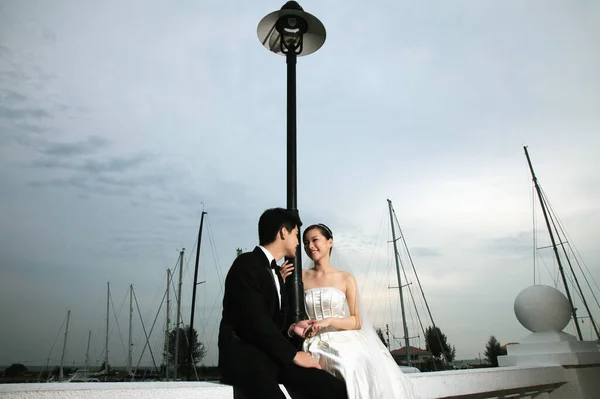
{"x": 323, "y": 302}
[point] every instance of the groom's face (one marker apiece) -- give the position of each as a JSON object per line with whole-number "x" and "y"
{"x": 291, "y": 242}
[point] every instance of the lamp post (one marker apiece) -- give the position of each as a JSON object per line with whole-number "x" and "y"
{"x": 293, "y": 33}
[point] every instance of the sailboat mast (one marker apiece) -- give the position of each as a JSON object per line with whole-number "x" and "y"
{"x": 178, "y": 311}
{"x": 87, "y": 352}
{"x": 406, "y": 338}
{"x": 191, "y": 330}
{"x": 62, "y": 358}
{"x": 554, "y": 247}
{"x": 166, "y": 355}
{"x": 387, "y": 332}
{"x": 106, "y": 351}
{"x": 130, "y": 322}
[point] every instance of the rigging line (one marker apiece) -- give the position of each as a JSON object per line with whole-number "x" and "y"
{"x": 420, "y": 286}
{"x": 174, "y": 287}
{"x": 52, "y": 347}
{"x": 571, "y": 246}
{"x": 578, "y": 255}
{"x": 389, "y": 301}
{"x": 370, "y": 286}
{"x": 373, "y": 249}
{"x": 187, "y": 341}
{"x": 144, "y": 328}
{"x": 390, "y": 277}
{"x": 585, "y": 276}
{"x": 534, "y": 231}
{"x": 172, "y": 281}
{"x": 160, "y": 289}
{"x": 379, "y": 286}
{"x": 189, "y": 258}
{"x": 204, "y": 301}
{"x": 554, "y": 278}
{"x": 413, "y": 300}
{"x": 207, "y": 320}
{"x": 214, "y": 251}
{"x": 176, "y": 263}
{"x": 152, "y": 328}
{"x": 219, "y": 276}
{"x": 211, "y": 312}
{"x": 115, "y": 315}
{"x": 580, "y": 291}
{"x": 580, "y": 296}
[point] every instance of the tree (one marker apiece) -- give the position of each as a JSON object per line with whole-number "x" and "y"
{"x": 183, "y": 361}
{"x": 493, "y": 349}
{"x": 381, "y": 336}
{"x": 15, "y": 370}
{"x": 436, "y": 342}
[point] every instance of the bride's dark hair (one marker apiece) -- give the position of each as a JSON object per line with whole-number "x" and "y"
{"x": 325, "y": 231}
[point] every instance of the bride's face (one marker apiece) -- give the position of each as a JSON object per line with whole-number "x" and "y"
{"x": 316, "y": 245}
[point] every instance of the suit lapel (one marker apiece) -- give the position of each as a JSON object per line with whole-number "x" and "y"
{"x": 266, "y": 270}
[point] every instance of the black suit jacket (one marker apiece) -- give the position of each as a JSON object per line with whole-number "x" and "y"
{"x": 253, "y": 330}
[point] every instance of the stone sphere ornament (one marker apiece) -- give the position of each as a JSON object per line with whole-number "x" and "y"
{"x": 541, "y": 308}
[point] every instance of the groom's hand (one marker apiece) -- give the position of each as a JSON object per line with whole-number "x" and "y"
{"x": 301, "y": 327}
{"x": 305, "y": 360}
{"x": 286, "y": 269}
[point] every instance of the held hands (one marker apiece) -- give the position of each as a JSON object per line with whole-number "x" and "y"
{"x": 308, "y": 328}
{"x": 300, "y": 328}
{"x": 286, "y": 269}
{"x": 315, "y": 326}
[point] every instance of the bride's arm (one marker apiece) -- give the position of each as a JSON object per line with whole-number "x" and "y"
{"x": 351, "y": 322}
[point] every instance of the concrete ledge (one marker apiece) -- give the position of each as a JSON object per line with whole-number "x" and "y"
{"x": 106, "y": 390}
{"x": 487, "y": 382}
{"x": 464, "y": 384}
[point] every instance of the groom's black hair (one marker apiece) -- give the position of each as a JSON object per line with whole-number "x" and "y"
{"x": 271, "y": 222}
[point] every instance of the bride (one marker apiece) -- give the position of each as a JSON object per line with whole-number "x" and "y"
{"x": 341, "y": 338}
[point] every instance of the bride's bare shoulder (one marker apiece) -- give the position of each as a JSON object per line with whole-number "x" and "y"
{"x": 349, "y": 279}
{"x": 347, "y": 276}
{"x": 307, "y": 272}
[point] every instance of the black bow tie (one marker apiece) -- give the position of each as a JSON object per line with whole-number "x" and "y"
{"x": 274, "y": 266}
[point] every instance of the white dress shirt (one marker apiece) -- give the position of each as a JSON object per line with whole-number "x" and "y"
{"x": 270, "y": 258}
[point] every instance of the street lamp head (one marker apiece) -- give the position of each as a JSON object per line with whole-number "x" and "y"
{"x": 291, "y": 30}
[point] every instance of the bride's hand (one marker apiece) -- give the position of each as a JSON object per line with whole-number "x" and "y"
{"x": 300, "y": 328}
{"x": 316, "y": 326}
{"x": 286, "y": 269}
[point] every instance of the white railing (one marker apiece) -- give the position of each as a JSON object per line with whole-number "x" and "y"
{"x": 501, "y": 382}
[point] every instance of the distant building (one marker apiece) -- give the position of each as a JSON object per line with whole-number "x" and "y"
{"x": 418, "y": 356}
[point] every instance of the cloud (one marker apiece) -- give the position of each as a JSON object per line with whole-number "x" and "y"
{"x": 23, "y": 113}
{"x": 90, "y": 145}
{"x": 425, "y": 251}
{"x": 518, "y": 245}
{"x": 111, "y": 165}
{"x": 11, "y": 96}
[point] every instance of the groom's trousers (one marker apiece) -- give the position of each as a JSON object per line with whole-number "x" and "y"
{"x": 300, "y": 382}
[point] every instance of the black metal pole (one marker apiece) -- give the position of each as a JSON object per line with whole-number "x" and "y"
{"x": 560, "y": 266}
{"x": 294, "y": 285}
{"x": 191, "y": 330}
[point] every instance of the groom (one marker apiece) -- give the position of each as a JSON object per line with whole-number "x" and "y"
{"x": 256, "y": 352}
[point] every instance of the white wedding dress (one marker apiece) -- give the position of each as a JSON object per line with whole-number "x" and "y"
{"x": 368, "y": 369}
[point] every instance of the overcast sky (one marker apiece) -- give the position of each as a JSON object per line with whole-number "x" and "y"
{"x": 121, "y": 121}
